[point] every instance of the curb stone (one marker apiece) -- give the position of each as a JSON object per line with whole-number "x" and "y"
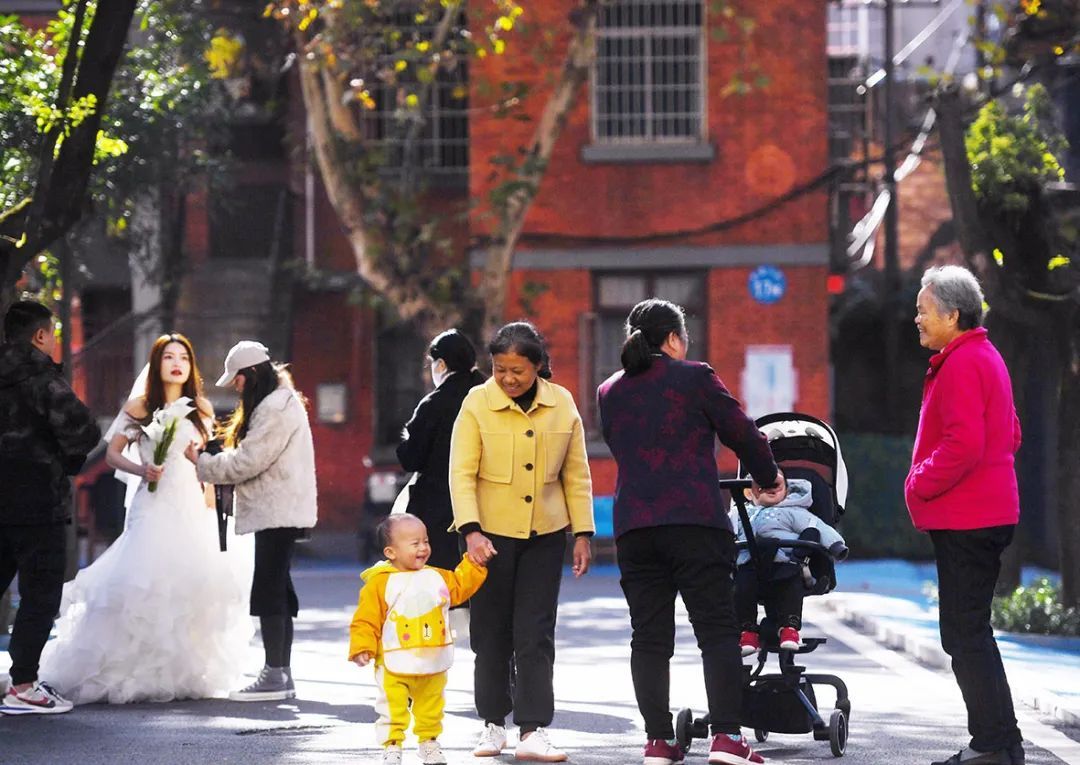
{"x": 930, "y": 653}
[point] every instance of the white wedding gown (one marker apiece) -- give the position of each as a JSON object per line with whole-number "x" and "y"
{"x": 163, "y": 613}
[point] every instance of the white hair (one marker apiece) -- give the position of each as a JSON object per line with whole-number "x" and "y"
{"x": 954, "y": 288}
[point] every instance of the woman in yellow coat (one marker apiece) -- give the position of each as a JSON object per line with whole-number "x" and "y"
{"x": 519, "y": 480}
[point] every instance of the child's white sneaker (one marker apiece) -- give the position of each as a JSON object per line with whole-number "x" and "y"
{"x": 492, "y": 741}
{"x": 537, "y": 747}
{"x": 431, "y": 753}
{"x": 392, "y": 755}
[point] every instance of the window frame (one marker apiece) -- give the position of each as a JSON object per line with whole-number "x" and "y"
{"x": 599, "y": 312}
{"x": 657, "y": 147}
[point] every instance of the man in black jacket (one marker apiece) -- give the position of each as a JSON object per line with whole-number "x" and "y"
{"x": 45, "y": 435}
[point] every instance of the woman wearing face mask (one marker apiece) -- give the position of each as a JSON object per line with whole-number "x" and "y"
{"x": 425, "y": 444}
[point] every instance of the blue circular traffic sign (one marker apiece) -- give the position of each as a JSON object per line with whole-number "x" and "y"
{"x": 767, "y": 284}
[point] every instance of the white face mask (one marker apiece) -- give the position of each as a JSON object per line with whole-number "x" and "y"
{"x": 439, "y": 372}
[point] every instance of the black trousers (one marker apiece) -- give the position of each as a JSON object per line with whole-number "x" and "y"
{"x": 37, "y": 554}
{"x": 512, "y": 630}
{"x": 968, "y": 563}
{"x": 783, "y": 599}
{"x": 698, "y": 563}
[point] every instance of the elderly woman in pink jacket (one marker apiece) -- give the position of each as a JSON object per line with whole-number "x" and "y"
{"x": 962, "y": 490}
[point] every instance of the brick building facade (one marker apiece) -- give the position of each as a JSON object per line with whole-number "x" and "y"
{"x": 654, "y": 145}
{"x": 649, "y": 148}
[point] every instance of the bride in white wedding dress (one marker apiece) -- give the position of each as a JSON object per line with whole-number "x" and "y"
{"x": 163, "y": 613}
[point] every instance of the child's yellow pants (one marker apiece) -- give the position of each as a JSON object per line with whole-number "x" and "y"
{"x": 392, "y": 705}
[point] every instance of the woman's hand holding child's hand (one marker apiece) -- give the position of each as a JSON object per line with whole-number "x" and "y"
{"x": 480, "y": 549}
{"x": 361, "y": 659}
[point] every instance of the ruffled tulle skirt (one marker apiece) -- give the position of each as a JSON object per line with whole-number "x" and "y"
{"x": 162, "y": 614}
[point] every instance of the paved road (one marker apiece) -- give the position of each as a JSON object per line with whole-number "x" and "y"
{"x": 902, "y": 712}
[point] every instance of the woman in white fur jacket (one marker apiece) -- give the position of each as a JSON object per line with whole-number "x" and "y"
{"x": 270, "y": 459}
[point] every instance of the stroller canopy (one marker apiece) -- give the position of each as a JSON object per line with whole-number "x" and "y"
{"x": 795, "y": 425}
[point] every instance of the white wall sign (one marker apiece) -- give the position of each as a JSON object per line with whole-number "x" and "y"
{"x": 769, "y": 380}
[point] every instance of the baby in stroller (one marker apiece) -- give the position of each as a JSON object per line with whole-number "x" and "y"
{"x": 789, "y": 576}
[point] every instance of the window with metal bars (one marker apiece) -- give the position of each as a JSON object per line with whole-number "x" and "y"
{"x": 442, "y": 145}
{"x": 649, "y": 76}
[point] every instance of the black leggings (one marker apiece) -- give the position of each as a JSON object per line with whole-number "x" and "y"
{"x": 273, "y": 598}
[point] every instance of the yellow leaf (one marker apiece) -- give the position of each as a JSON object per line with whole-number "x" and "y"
{"x": 222, "y": 55}
{"x": 999, "y": 256}
{"x": 21, "y": 241}
{"x": 423, "y": 46}
{"x": 412, "y": 101}
{"x": 481, "y": 53}
{"x": 499, "y": 47}
{"x": 1057, "y": 262}
{"x": 268, "y": 11}
{"x": 400, "y": 66}
{"x": 306, "y": 21}
{"x": 504, "y": 22}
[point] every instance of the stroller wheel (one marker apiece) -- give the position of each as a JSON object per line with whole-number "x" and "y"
{"x": 838, "y": 731}
{"x": 761, "y": 735}
{"x": 684, "y": 729}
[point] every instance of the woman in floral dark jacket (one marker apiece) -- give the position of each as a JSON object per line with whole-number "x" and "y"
{"x": 661, "y": 415}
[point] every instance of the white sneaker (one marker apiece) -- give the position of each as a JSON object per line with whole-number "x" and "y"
{"x": 537, "y": 747}
{"x": 431, "y": 753}
{"x": 392, "y": 755}
{"x": 492, "y": 741}
{"x": 38, "y": 699}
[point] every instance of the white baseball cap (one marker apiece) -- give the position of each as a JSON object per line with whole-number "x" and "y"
{"x": 246, "y": 353}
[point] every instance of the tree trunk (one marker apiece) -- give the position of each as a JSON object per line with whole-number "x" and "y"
{"x": 58, "y": 202}
{"x": 575, "y": 71}
{"x": 325, "y": 118}
{"x": 1069, "y": 475}
{"x": 1035, "y": 329}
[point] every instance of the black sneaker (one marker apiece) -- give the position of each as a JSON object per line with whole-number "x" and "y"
{"x": 1000, "y": 757}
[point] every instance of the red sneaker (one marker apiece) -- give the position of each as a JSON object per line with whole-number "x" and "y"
{"x": 660, "y": 752}
{"x": 789, "y": 639}
{"x": 749, "y": 643}
{"x": 731, "y": 752}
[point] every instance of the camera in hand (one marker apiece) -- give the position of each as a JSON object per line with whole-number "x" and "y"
{"x": 214, "y": 446}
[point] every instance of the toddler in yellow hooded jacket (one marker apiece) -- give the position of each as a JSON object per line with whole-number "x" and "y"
{"x": 402, "y": 622}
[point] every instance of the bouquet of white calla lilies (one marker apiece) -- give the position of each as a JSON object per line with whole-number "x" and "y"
{"x": 162, "y": 429}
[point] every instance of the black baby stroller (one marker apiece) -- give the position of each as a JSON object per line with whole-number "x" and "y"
{"x": 807, "y": 448}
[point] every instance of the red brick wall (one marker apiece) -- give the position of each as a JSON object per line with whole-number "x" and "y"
{"x": 766, "y": 141}
{"x": 799, "y": 319}
{"x": 334, "y": 342}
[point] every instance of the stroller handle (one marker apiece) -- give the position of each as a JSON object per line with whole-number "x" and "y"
{"x": 735, "y": 484}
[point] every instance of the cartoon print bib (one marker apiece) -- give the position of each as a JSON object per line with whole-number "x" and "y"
{"x": 416, "y": 636}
